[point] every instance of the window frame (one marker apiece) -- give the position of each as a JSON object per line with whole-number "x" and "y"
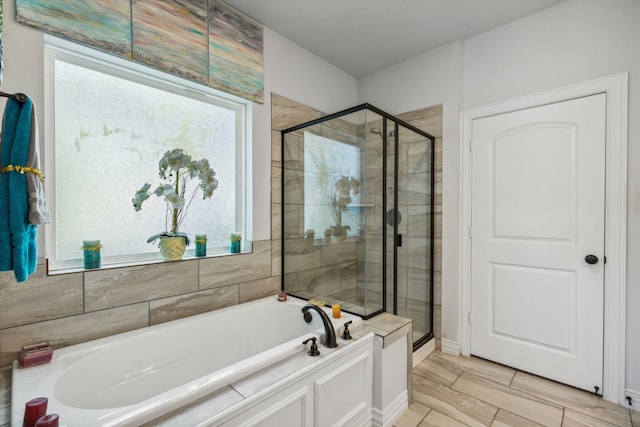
{"x": 59, "y": 49}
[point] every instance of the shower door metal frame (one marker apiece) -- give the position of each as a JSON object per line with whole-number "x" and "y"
{"x": 397, "y": 123}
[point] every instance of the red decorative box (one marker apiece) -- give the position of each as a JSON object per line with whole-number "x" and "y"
{"x": 35, "y": 354}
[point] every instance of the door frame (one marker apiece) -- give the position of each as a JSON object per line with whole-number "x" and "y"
{"x": 616, "y": 89}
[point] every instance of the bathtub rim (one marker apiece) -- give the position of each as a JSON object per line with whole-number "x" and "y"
{"x": 167, "y": 400}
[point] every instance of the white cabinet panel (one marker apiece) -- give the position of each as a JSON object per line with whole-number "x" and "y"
{"x": 345, "y": 394}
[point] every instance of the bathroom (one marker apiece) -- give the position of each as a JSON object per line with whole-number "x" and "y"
{"x": 597, "y": 37}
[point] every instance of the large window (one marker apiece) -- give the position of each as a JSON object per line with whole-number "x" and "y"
{"x": 109, "y": 122}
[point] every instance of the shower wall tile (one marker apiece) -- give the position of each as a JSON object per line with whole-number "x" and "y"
{"x": 276, "y": 149}
{"x": 286, "y": 113}
{"x": 292, "y": 150}
{"x": 172, "y": 308}
{"x": 375, "y": 219}
{"x": 276, "y": 185}
{"x": 414, "y": 189}
{"x": 374, "y": 248}
{"x": 437, "y": 324}
{"x": 347, "y": 276}
{"x": 340, "y": 130}
{"x": 276, "y": 258}
{"x": 414, "y": 252}
{"x": 294, "y": 183}
{"x": 437, "y": 177}
{"x": 418, "y": 157}
{"x": 276, "y": 221}
{"x": 301, "y": 256}
{"x": 403, "y": 226}
{"x": 293, "y": 226}
{"x": 73, "y": 329}
{"x": 417, "y": 277}
{"x": 437, "y": 226}
{"x": 127, "y": 285}
{"x": 322, "y": 281}
{"x": 257, "y": 289}
{"x": 418, "y": 220}
{"x": 426, "y": 119}
{"x": 226, "y": 270}
{"x": 437, "y": 288}
{"x": 301, "y": 146}
{"x": 336, "y": 253}
{"x": 374, "y": 277}
{"x": 438, "y": 155}
{"x": 291, "y": 283}
{"x": 33, "y": 301}
{"x": 403, "y": 283}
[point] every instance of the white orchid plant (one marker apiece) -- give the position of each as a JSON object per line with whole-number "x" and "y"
{"x": 177, "y": 169}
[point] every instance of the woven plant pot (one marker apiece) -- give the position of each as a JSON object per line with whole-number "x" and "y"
{"x": 172, "y": 248}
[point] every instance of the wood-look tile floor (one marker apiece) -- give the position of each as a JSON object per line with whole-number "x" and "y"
{"x": 468, "y": 391}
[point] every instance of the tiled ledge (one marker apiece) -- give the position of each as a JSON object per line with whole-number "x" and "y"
{"x": 389, "y": 327}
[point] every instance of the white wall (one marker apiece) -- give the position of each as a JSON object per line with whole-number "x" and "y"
{"x": 295, "y": 73}
{"x": 575, "y": 41}
{"x": 289, "y": 71}
{"x": 430, "y": 79}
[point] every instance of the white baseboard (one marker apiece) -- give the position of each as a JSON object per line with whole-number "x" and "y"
{"x": 393, "y": 411}
{"x": 420, "y": 354}
{"x": 635, "y": 399}
{"x": 450, "y": 347}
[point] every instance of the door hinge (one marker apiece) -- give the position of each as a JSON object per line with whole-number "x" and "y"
{"x": 470, "y": 147}
{"x": 470, "y": 233}
{"x": 469, "y": 317}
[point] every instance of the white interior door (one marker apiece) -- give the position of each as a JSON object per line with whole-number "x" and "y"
{"x": 537, "y": 214}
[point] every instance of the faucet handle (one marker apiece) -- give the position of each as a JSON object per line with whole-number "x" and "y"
{"x": 313, "y": 351}
{"x": 346, "y": 335}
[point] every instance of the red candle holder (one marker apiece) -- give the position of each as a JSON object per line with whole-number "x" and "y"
{"x": 50, "y": 420}
{"x": 34, "y": 410}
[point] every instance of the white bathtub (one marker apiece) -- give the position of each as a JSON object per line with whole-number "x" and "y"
{"x": 137, "y": 376}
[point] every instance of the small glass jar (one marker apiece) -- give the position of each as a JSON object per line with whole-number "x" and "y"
{"x": 201, "y": 245}
{"x": 235, "y": 243}
{"x": 92, "y": 258}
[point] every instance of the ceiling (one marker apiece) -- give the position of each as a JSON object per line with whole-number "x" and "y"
{"x": 364, "y": 36}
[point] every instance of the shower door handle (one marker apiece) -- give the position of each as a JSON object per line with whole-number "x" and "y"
{"x": 398, "y": 240}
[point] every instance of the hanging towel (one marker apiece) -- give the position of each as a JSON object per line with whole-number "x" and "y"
{"x": 18, "y": 243}
{"x": 38, "y": 210}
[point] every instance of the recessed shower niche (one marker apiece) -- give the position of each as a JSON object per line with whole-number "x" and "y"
{"x": 357, "y": 215}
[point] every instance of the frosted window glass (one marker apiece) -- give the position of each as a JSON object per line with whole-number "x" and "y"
{"x": 110, "y": 133}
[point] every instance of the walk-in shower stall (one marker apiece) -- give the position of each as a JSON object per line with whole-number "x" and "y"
{"x": 357, "y": 215}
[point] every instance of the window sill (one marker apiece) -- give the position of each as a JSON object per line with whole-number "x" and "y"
{"x": 154, "y": 259}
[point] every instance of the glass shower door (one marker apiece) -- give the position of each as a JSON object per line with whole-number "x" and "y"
{"x": 409, "y": 228}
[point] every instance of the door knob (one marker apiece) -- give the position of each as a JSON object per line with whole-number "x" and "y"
{"x": 591, "y": 259}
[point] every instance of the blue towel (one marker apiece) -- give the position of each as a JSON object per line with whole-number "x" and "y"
{"x": 18, "y": 243}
